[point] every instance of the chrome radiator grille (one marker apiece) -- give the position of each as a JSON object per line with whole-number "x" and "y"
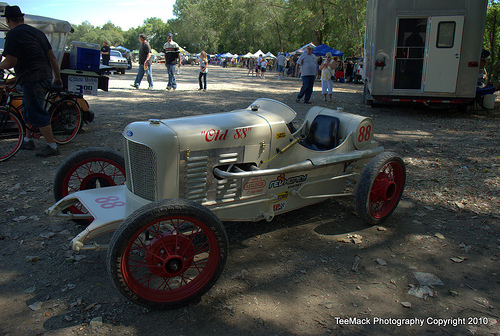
{"x": 141, "y": 170}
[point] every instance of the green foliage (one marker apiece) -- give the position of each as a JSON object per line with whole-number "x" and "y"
{"x": 491, "y": 40}
{"x": 240, "y": 26}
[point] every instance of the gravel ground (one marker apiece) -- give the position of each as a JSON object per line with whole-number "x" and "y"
{"x": 305, "y": 273}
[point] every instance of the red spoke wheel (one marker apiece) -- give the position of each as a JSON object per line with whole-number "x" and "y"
{"x": 380, "y": 188}
{"x": 89, "y": 168}
{"x": 167, "y": 254}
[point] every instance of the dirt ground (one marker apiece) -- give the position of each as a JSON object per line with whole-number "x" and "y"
{"x": 316, "y": 271}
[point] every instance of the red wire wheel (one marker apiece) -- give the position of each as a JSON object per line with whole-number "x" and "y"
{"x": 380, "y": 188}
{"x": 89, "y": 168}
{"x": 167, "y": 254}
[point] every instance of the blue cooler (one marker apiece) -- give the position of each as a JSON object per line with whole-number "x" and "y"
{"x": 84, "y": 56}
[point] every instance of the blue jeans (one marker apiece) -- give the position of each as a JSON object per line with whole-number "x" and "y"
{"x": 202, "y": 75}
{"x": 34, "y": 101}
{"x": 307, "y": 88}
{"x": 171, "y": 76}
{"x": 140, "y": 74}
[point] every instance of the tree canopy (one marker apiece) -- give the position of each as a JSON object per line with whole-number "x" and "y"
{"x": 240, "y": 26}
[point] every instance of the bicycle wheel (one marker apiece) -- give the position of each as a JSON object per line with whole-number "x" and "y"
{"x": 66, "y": 119}
{"x": 11, "y": 133}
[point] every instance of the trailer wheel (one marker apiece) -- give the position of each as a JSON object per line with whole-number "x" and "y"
{"x": 90, "y": 168}
{"x": 167, "y": 254}
{"x": 380, "y": 188}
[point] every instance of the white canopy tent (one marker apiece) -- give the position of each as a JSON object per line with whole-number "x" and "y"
{"x": 56, "y": 30}
{"x": 269, "y": 55}
{"x": 248, "y": 55}
{"x": 301, "y": 50}
{"x": 258, "y": 53}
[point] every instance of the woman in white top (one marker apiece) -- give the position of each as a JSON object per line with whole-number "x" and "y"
{"x": 327, "y": 73}
{"x": 203, "y": 71}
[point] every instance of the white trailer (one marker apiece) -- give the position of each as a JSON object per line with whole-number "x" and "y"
{"x": 423, "y": 51}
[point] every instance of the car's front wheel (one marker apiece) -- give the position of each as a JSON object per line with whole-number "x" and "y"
{"x": 167, "y": 254}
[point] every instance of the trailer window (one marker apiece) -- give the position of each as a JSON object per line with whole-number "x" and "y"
{"x": 446, "y": 34}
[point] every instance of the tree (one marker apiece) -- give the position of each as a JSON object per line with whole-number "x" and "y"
{"x": 491, "y": 40}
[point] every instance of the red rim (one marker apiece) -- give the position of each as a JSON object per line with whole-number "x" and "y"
{"x": 170, "y": 259}
{"x": 386, "y": 190}
{"x": 66, "y": 120}
{"x": 90, "y": 174}
{"x": 11, "y": 135}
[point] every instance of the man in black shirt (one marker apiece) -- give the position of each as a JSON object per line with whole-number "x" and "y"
{"x": 29, "y": 52}
{"x": 105, "y": 52}
{"x": 144, "y": 63}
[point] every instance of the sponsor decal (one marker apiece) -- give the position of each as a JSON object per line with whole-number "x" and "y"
{"x": 254, "y": 186}
{"x": 280, "y": 135}
{"x": 255, "y": 183}
{"x": 282, "y": 196}
{"x": 282, "y": 181}
{"x": 279, "y": 206}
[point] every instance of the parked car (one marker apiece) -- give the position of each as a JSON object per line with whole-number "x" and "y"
{"x": 179, "y": 179}
{"x": 118, "y": 62}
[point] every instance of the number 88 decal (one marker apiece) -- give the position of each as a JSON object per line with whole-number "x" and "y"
{"x": 364, "y": 134}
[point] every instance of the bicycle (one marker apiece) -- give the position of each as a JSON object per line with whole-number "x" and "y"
{"x": 66, "y": 118}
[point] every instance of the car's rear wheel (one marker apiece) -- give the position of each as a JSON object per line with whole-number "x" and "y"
{"x": 380, "y": 188}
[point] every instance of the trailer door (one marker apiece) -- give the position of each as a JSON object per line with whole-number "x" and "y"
{"x": 443, "y": 53}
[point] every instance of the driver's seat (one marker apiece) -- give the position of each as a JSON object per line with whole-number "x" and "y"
{"x": 323, "y": 133}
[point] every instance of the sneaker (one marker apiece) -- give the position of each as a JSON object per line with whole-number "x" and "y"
{"x": 134, "y": 86}
{"x": 297, "y": 101}
{"x": 174, "y": 89}
{"x": 168, "y": 88}
{"x": 28, "y": 145}
{"x": 307, "y": 102}
{"x": 150, "y": 88}
{"x": 48, "y": 151}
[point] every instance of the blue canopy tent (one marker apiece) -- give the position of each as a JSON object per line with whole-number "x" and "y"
{"x": 322, "y": 49}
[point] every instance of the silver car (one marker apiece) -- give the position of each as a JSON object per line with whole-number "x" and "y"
{"x": 117, "y": 61}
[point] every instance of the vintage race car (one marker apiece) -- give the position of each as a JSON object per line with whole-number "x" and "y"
{"x": 181, "y": 178}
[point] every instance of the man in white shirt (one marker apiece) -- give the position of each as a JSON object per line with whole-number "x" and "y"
{"x": 307, "y": 62}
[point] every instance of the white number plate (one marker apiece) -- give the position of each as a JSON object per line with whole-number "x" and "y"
{"x": 83, "y": 85}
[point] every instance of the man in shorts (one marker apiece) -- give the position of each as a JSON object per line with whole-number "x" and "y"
{"x": 29, "y": 52}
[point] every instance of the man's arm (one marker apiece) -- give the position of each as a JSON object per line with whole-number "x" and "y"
{"x": 55, "y": 66}
{"x": 8, "y": 62}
